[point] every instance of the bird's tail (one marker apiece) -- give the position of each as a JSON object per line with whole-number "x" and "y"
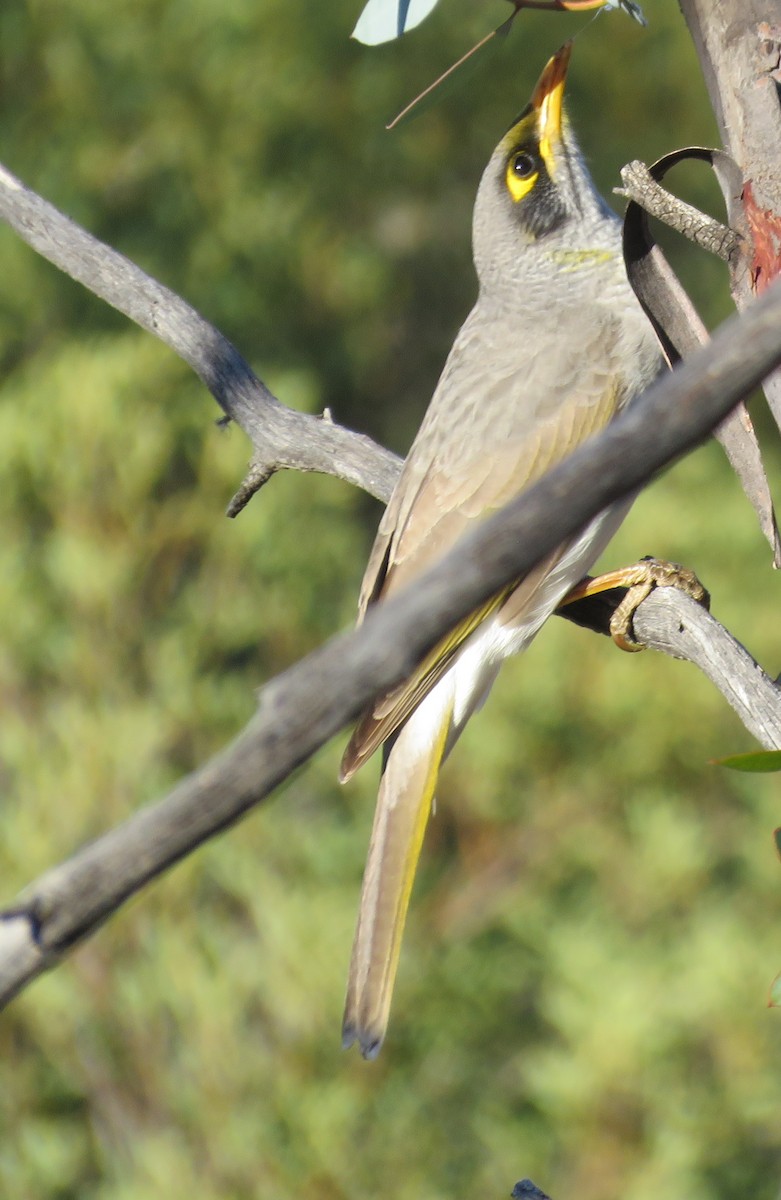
{"x": 406, "y": 792}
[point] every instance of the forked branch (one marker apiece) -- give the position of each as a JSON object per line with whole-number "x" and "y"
{"x": 281, "y": 438}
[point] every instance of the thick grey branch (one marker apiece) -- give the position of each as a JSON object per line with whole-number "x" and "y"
{"x": 280, "y": 436}
{"x": 309, "y": 703}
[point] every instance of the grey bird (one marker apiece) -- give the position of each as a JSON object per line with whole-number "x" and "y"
{"x": 554, "y": 347}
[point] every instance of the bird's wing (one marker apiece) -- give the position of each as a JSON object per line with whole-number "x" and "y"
{"x": 497, "y": 442}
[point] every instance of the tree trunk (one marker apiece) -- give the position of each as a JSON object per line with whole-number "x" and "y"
{"x": 739, "y": 46}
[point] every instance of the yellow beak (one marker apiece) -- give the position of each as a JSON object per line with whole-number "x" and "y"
{"x": 547, "y": 100}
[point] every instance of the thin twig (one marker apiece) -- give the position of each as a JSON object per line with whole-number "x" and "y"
{"x": 698, "y": 227}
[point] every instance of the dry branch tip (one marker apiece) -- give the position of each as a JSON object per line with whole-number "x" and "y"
{"x": 257, "y": 475}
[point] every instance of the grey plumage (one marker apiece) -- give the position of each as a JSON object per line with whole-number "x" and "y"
{"x": 554, "y": 347}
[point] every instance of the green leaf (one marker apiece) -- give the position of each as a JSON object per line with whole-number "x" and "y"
{"x": 761, "y": 761}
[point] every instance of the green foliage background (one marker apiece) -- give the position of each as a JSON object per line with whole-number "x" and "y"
{"x": 582, "y": 991}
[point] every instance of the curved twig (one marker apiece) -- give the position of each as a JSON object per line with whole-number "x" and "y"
{"x": 706, "y": 232}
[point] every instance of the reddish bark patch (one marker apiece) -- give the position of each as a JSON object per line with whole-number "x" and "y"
{"x": 765, "y": 227}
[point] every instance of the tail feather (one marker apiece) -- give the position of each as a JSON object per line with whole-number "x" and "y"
{"x": 403, "y": 805}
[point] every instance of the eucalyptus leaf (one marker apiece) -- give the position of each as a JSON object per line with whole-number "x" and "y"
{"x": 762, "y": 761}
{"x": 384, "y": 20}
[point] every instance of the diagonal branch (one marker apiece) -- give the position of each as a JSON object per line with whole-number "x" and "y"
{"x": 309, "y": 703}
{"x": 280, "y": 436}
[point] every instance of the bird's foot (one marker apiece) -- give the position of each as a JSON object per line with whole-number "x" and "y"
{"x": 637, "y": 581}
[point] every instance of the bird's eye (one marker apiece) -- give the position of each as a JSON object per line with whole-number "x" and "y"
{"x": 522, "y": 173}
{"x": 523, "y": 165}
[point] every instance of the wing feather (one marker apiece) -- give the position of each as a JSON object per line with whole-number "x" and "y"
{"x": 484, "y": 440}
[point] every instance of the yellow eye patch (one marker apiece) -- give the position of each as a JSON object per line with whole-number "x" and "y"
{"x": 521, "y": 175}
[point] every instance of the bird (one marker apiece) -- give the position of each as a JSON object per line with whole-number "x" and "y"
{"x": 554, "y": 347}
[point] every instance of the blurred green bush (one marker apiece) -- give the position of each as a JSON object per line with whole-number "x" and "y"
{"x": 582, "y": 991}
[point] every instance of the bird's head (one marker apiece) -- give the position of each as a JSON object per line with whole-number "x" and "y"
{"x": 536, "y": 201}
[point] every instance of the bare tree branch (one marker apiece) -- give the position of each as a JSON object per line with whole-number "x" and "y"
{"x": 706, "y": 232}
{"x": 676, "y": 625}
{"x": 280, "y": 436}
{"x": 309, "y": 703}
